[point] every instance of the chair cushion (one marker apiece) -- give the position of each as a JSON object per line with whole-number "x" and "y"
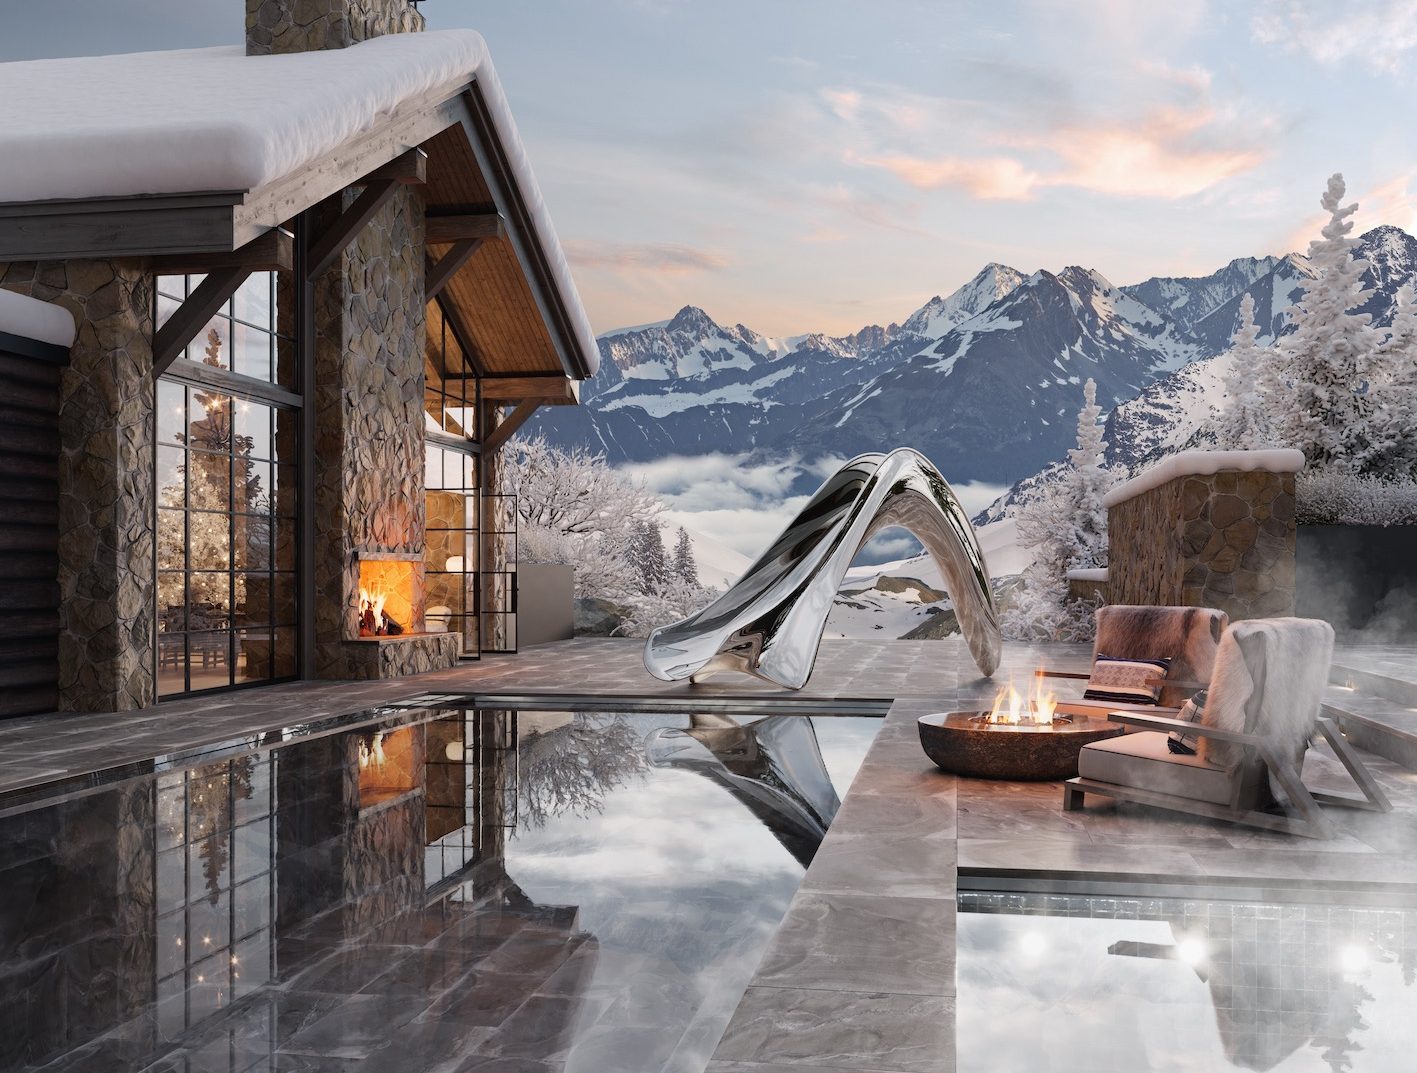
{"x": 1124, "y": 680}
{"x": 1145, "y": 762}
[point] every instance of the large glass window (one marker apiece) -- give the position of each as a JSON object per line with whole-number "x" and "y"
{"x": 226, "y": 502}
{"x": 252, "y": 335}
{"x": 450, "y": 382}
{"x": 450, "y": 480}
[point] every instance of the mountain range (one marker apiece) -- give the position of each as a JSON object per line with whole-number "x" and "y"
{"x": 986, "y": 381}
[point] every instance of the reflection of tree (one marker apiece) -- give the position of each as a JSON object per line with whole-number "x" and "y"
{"x": 213, "y": 812}
{"x": 570, "y": 769}
{"x": 217, "y": 456}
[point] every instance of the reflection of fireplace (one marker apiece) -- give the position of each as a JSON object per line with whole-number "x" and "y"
{"x": 390, "y": 595}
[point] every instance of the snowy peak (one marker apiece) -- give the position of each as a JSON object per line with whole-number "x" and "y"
{"x": 689, "y": 344}
{"x": 939, "y": 315}
{"x": 1188, "y": 299}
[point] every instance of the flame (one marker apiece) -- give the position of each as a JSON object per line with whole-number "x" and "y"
{"x": 1011, "y": 708}
{"x": 375, "y": 601}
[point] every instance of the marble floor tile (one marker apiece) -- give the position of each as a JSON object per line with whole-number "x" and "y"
{"x": 849, "y": 942}
{"x": 800, "y": 1028}
{"x": 869, "y": 863}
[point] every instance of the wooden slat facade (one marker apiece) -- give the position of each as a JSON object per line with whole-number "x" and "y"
{"x": 29, "y": 525}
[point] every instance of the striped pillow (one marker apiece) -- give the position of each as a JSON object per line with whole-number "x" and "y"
{"x": 1123, "y": 681}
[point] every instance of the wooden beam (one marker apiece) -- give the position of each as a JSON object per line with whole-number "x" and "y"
{"x": 504, "y": 432}
{"x": 408, "y": 169}
{"x": 547, "y": 390}
{"x": 272, "y": 252}
{"x": 192, "y": 315}
{"x": 437, "y": 275}
{"x": 379, "y": 186}
{"x": 464, "y": 340}
{"x": 116, "y": 227}
{"x": 455, "y": 227}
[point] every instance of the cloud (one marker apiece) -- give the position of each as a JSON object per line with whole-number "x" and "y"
{"x": 1172, "y": 152}
{"x": 648, "y": 256}
{"x": 994, "y": 179}
{"x": 1377, "y": 33}
{"x": 716, "y": 482}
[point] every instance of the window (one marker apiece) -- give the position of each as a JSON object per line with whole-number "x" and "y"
{"x": 226, "y": 501}
{"x": 450, "y": 382}
{"x": 450, "y": 482}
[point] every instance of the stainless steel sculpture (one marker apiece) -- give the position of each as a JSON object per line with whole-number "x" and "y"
{"x": 769, "y": 624}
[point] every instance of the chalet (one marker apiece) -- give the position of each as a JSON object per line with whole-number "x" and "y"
{"x": 314, "y": 290}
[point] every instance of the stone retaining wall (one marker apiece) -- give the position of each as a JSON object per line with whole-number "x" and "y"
{"x": 1223, "y": 540}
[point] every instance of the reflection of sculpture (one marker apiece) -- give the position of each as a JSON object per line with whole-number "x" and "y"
{"x": 770, "y": 623}
{"x": 773, "y": 766}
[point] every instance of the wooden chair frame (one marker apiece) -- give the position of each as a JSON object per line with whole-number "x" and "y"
{"x": 1310, "y": 820}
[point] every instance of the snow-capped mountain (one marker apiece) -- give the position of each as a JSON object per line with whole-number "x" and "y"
{"x": 986, "y": 381}
{"x": 1188, "y": 299}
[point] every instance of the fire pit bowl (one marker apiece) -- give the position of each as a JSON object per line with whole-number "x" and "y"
{"x": 966, "y": 743}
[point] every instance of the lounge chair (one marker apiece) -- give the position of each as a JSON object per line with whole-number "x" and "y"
{"x": 1187, "y": 636}
{"x": 1264, "y": 706}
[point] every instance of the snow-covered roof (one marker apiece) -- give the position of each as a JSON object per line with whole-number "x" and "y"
{"x": 1204, "y": 463}
{"x": 1093, "y": 573}
{"x": 207, "y": 119}
{"x": 215, "y": 119}
{"x": 30, "y": 318}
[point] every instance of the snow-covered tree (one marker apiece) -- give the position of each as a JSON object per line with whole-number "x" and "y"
{"x": 1240, "y": 422}
{"x": 572, "y": 490}
{"x": 686, "y": 568}
{"x": 1393, "y": 386}
{"x": 649, "y": 557}
{"x": 1323, "y": 407}
{"x": 1065, "y": 525}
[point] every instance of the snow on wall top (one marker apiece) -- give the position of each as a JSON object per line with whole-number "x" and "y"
{"x": 32, "y": 319}
{"x": 213, "y": 119}
{"x": 1201, "y": 463}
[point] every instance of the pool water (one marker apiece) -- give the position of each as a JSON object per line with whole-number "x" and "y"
{"x": 496, "y": 890}
{"x": 1059, "y": 983}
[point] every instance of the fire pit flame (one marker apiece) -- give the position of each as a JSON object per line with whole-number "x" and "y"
{"x": 1011, "y": 708}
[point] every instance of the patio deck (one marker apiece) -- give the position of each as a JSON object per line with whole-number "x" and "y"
{"x": 861, "y": 973}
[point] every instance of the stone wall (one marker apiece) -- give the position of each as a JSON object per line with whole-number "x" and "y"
{"x": 106, "y": 581}
{"x": 1223, "y": 540}
{"x": 280, "y": 26}
{"x": 369, "y": 495}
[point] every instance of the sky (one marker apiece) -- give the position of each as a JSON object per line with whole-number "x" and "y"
{"x": 820, "y": 165}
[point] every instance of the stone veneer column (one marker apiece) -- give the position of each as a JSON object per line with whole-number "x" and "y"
{"x": 369, "y": 446}
{"x": 281, "y": 26}
{"x": 1223, "y": 540}
{"x": 106, "y": 582}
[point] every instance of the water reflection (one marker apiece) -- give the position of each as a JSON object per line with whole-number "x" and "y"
{"x": 537, "y": 886}
{"x": 1184, "y": 985}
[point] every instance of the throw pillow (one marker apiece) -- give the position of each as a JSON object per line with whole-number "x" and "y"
{"x": 1124, "y": 681}
{"x": 1193, "y": 711}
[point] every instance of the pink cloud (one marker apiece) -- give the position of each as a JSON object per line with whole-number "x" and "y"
{"x": 988, "y": 179}
{"x": 658, "y": 257}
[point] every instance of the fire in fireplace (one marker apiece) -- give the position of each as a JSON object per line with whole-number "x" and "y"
{"x": 1011, "y": 708}
{"x": 386, "y": 597}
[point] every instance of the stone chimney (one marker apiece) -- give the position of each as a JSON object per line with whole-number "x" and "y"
{"x": 278, "y": 26}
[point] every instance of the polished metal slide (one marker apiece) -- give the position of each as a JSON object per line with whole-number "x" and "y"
{"x": 769, "y": 624}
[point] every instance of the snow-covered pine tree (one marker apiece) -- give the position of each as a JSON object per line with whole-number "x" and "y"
{"x": 1393, "y": 387}
{"x": 649, "y": 557}
{"x": 1065, "y": 525}
{"x": 686, "y": 569}
{"x": 1239, "y": 423}
{"x": 1322, "y": 407}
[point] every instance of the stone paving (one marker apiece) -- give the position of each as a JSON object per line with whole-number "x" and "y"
{"x": 861, "y": 974}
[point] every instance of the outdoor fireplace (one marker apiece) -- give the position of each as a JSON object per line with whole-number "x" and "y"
{"x": 390, "y": 595}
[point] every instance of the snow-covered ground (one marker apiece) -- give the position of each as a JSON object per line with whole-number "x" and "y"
{"x": 719, "y": 565}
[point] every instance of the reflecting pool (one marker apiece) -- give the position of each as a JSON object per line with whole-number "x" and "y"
{"x": 495, "y": 890}
{"x": 1122, "y": 985}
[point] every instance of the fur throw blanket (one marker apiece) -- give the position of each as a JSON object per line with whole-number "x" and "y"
{"x": 1270, "y": 677}
{"x": 1187, "y": 636}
